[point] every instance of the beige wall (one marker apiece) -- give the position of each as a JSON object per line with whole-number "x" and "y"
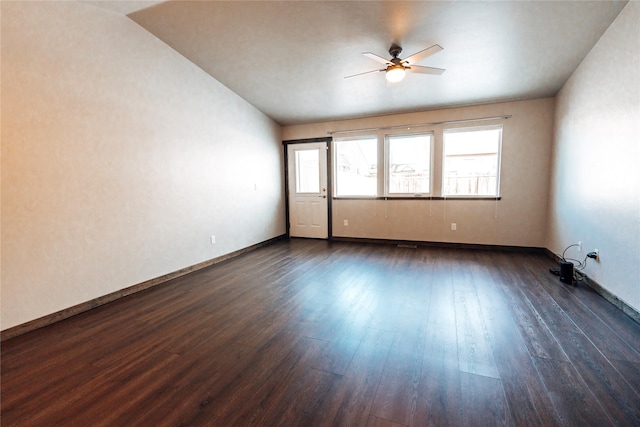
{"x": 595, "y": 192}
{"x": 519, "y": 219}
{"x": 119, "y": 159}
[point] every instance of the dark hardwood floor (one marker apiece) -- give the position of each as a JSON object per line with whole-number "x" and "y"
{"x": 312, "y": 333}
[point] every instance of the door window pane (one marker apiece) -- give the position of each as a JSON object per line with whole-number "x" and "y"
{"x": 307, "y": 171}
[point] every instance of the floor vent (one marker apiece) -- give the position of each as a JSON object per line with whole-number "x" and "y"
{"x": 407, "y": 246}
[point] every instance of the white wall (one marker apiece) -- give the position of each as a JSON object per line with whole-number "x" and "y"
{"x": 119, "y": 159}
{"x": 595, "y": 191}
{"x": 518, "y": 219}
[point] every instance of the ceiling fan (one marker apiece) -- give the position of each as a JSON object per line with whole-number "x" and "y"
{"x": 396, "y": 68}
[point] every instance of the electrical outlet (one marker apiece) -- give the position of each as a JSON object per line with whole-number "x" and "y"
{"x": 597, "y": 254}
{"x": 454, "y": 226}
{"x": 213, "y": 239}
{"x": 346, "y": 222}
{"x": 579, "y": 246}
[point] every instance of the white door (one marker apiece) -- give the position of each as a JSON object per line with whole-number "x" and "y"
{"x": 308, "y": 204}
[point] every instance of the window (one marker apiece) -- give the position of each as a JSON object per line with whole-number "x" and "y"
{"x": 471, "y": 162}
{"x": 356, "y": 167}
{"x": 409, "y": 165}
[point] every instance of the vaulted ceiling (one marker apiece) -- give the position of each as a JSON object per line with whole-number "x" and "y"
{"x": 289, "y": 58}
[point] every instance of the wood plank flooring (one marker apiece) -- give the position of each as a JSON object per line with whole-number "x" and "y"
{"x": 314, "y": 333}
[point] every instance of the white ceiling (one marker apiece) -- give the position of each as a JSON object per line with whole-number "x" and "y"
{"x": 289, "y": 58}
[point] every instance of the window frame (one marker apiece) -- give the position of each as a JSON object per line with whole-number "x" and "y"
{"x": 497, "y": 194}
{"x": 335, "y": 165}
{"x": 387, "y": 165}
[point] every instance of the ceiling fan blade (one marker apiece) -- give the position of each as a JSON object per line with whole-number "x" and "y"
{"x": 377, "y": 58}
{"x": 419, "y": 56}
{"x": 426, "y": 70}
{"x": 360, "y": 74}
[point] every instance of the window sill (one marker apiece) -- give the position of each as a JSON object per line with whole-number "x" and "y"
{"x": 490, "y": 198}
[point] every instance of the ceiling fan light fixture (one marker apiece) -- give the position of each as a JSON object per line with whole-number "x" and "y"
{"x": 395, "y": 73}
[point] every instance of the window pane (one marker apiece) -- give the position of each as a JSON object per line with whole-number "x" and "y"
{"x": 356, "y": 167}
{"x": 308, "y": 171}
{"x": 409, "y": 164}
{"x": 471, "y": 161}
